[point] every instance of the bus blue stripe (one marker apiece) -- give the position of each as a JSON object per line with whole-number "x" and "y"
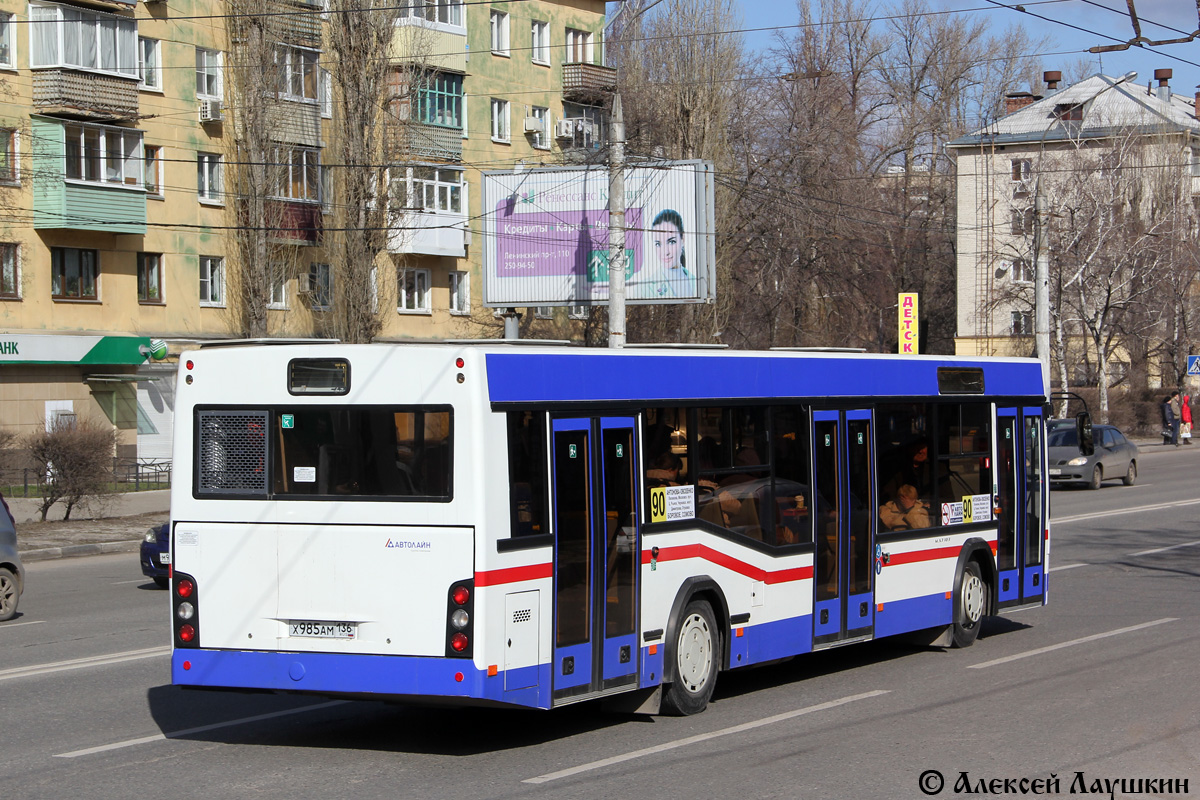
{"x": 563, "y": 377}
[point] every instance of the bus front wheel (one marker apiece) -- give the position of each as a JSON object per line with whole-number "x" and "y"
{"x": 970, "y": 603}
{"x": 695, "y": 649}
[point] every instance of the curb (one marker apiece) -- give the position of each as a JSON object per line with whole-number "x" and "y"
{"x": 76, "y": 550}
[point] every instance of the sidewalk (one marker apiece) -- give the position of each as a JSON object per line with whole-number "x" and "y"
{"x": 118, "y": 528}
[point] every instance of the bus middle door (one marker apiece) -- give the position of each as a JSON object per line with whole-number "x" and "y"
{"x": 1021, "y": 484}
{"x": 596, "y": 552}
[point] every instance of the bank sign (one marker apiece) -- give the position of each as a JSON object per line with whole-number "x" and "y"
{"x": 18, "y": 348}
{"x": 546, "y": 235}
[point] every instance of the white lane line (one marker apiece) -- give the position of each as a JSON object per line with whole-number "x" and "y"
{"x": 81, "y": 663}
{"x": 1134, "y": 510}
{"x": 704, "y": 737}
{"x": 1164, "y": 549}
{"x": 1068, "y": 566}
{"x": 1072, "y": 643}
{"x": 19, "y": 624}
{"x": 139, "y": 580}
{"x": 190, "y": 731}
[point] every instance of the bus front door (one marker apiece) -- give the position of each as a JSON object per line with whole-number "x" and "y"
{"x": 1021, "y": 486}
{"x": 596, "y": 549}
{"x": 843, "y": 577}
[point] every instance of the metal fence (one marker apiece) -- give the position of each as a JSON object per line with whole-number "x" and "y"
{"x": 128, "y": 475}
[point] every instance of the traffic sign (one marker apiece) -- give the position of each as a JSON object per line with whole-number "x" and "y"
{"x": 1193, "y": 365}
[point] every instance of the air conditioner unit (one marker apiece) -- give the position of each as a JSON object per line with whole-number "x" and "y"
{"x": 304, "y": 283}
{"x": 210, "y": 111}
{"x": 534, "y": 125}
{"x": 564, "y": 129}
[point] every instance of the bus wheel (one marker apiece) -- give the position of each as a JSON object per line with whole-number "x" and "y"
{"x": 695, "y": 650}
{"x": 969, "y": 606}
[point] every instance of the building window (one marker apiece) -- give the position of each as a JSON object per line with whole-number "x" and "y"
{"x": 1022, "y": 270}
{"x": 212, "y": 281}
{"x": 153, "y": 170}
{"x": 298, "y": 73}
{"x": 320, "y": 286}
{"x": 414, "y": 291}
{"x": 326, "y": 93}
{"x": 1196, "y": 162}
{"x": 580, "y": 47}
{"x": 1022, "y": 323}
{"x": 540, "y": 51}
{"x": 543, "y": 312}
{"x": 149, "y": 277}
{"x": 10, "y": 277}
{"x": 8, "y": 53}
{"x": 208, "y": 175}
{"x": 208, "y": 74}
{"x": 541, "y": 136}
{"x": 499, "y": 120}
{"x": 149, "y": 63}
{"x": 9, "y": 172}
{"x": 298, "y": 175}
{"x": 432, "y": 189}
{"x": 590, "y": 128}
{"x": 66, "y": 36}
{"x": 1069, "y": 112}
{"x": 500, "y": 33}
{"x": 447, "y": 12}
{"x": 278, "y": 293}
{"x": 460, "y": 293}
{"x": 440, "y": 99}
{"x": 1022, "y": 221}
{"x": 577, "y": 312}
{"x": 72, "y": 273}
{"x": 1022, "y": 168}
{"x": 102, "y": 154}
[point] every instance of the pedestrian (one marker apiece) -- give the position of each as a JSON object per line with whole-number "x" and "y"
{"x": 1185, "y": 419}
{"x": 1176, "y": 411}
{"x": 1164, "y": 409}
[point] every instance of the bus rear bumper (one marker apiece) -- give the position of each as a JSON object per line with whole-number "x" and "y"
{"x": 453, "y": 680}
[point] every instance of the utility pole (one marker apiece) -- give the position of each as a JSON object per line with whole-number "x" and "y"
{"x": 1041, "y": 285}
{"x": 616, "y": 227}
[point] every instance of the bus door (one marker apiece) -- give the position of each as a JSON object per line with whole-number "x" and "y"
{"x": 844, "y": 599}
{"x": 596, "y": 550}
{"x": 1021, "y": 487}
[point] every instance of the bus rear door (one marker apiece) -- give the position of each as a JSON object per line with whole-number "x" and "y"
{"x": 1021, "y": 483}
{"x": 596, "y": 547}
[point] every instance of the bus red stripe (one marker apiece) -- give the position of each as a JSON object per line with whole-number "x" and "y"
{"x": 497, "y": 577}
{"x": 917, "y": 556}
{"x": 700, "y": 551}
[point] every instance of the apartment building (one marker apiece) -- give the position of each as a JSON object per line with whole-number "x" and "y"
{"x": 124, "y": 176}
{"x": 1046, "y": 138}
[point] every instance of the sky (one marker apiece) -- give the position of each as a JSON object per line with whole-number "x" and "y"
{"x": 1103, "y": 22}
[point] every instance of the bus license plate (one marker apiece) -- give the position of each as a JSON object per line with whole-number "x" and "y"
{"x": 322, "y": 630}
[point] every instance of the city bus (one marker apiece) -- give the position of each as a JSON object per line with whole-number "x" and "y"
{"x": 537, "y": 525}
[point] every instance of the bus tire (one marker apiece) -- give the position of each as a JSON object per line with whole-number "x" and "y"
{"x": 695, "y": 649}
{"x": 970, "y": 605}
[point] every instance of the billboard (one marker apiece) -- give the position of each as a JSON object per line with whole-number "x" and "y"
{"x": 545, "y": 235}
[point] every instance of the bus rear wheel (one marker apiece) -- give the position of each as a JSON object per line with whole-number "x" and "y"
{"x": 970, "y": 604}
{"x": 695, "y": 648}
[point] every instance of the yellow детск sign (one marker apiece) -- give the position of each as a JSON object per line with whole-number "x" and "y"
{"x": 909, "y": 336}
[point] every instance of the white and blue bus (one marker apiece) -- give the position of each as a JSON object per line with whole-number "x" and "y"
{"x": 539, "y": 525}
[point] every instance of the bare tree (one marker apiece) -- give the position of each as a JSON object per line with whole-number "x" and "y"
{"x": 73, "y": 463}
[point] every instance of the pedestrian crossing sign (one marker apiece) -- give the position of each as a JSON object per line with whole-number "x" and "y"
{"x": 1193, "y": 365}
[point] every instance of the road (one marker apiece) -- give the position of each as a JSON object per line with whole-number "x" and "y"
{"x": 1103, "y": 682}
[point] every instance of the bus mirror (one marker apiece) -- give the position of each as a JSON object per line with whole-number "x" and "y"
{"x": 1083, "y": 430}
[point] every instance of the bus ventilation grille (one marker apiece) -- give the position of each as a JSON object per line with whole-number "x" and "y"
{"x": 522, "y": 615}
{"x": 232, "y": 452}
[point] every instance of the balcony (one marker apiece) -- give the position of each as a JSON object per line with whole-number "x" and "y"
{"x": 430, "y": 233}
{"x": 436, "y": 46}
{"x": 296, "y": 223}
{"x": 417, "y": 141}
{"x": 84, "y": 95}
{"x": 588, "y": 83}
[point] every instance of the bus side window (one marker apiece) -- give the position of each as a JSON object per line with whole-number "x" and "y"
{"x": 527, "y": 472}
{"x": 792, "y": 489}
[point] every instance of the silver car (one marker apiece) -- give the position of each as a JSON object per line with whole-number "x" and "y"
{"x": 1114, "y": 457}
{"x": 12, "y": 575}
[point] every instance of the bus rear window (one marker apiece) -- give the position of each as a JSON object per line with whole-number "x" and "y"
{"x": 330, "y": 376}
{"x": 362, "y": 451}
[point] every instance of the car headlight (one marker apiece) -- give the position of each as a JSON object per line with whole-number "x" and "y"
{"x": 151, "y": 536}
{"x": 1077, "y": 462}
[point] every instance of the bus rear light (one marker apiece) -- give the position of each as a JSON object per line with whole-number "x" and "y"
{"x": 461, "y": 595}
{"x": 190, "y": 364}
{"x": 460, "y": 617}
{"x": 185, "y": 605}
{"x": 185, "y": 611}
{"x": 458, "y": 362}
{"x": 187, "y": 634}
{"x": 184, "y": 587}
{"x": 458, "y": 642}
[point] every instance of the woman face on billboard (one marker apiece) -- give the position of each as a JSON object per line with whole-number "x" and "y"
{"x": 667, "y": 234}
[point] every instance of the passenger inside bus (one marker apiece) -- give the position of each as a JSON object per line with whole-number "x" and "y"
{"x": 905, "y": 512}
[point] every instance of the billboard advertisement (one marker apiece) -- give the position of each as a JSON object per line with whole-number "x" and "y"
{"x": 545, "y": 235}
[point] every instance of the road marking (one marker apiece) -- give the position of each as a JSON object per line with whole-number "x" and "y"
{"x": 704, "y": 737}
{"x": 139, "y": 580}
{"x": 19, "y": 624}
{"x": 1164, "y": 549}
{"x": 81, "y": 663}
{"x": 1072, "y": 643}
{"x": 201, "y": 729}
{"x": 1068, "y": 566}
{"x": 1134, "y": 510}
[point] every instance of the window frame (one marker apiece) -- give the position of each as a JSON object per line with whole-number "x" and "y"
{"x": 156, "y": 48}
{"x": 439, "y": 100}
{"x": 58, "y": 274}
{"x": 420, "y": 11}
{"x": 308, "y": 168}
{"x": 10, "y": 150}
{"x": 581, "y": 43}
{"x": 1021, "y": 323}
{"x": 540, "y": 46}
{"x": 499, "y": 27}
{"x": 277, "y": 293}
{"x": 97, "y": 154}
{"x": 460, "y": 293}
{"x": 124, "y": 36}
{"x": 320, "y": 286}
{"x": 422, "y": 304}
{"x": 541, "y": 139}
{"x": 153, "y": 166}
{"x": 143, "y": 282}
{"x": 8, "y": 42}
{"x": 501, "y": 127}
{"x": 10, "y": 271}
{"x": 294, "y": 64}
{"x": 211, "y": 266}
{"x": 207, "y": 176}
{"x": 212, "y": 71}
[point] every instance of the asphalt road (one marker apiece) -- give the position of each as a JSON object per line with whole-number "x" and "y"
{"x": 1104, "y": 683}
